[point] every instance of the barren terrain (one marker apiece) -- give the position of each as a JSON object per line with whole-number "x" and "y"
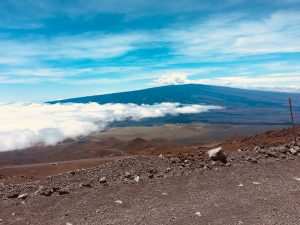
{"x": 120, "y": 142}
{"x": 255, "y": 185}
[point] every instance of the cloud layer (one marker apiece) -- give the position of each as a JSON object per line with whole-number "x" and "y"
{"x": 27, "y": 124}
{"x": 273, "y": 82}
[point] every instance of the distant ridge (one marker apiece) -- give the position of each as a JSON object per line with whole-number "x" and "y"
{"x": 242, "y": 106}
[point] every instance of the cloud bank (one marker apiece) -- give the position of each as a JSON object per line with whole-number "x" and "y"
{"x": 174, "y": 78}
{"x": 27, "y": 124}
{"x": 280, "y": 82}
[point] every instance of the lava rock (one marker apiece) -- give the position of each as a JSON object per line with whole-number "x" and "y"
{"x": 86, "y": 185}
{"x": 127, "y": 175}
{"x": 73, "y": 173}
{"x": 63, "y": 192}
{"x": 46, "y": 192}
{"x": 272, "y": 154}
{"x": 13, "y": 195}
{"x": 55, "y": 189}
{"x": 254, "y": 160}
{"x": 173, "y": 160}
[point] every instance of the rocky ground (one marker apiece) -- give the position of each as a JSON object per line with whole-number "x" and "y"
{"x": 124, "y": 141}
{"x": 260, "y": 185}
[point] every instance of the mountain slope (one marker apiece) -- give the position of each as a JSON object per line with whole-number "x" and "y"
{"x": 241, "y": 106}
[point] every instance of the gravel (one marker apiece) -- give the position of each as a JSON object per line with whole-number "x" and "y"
{"x": 257, "y": 186}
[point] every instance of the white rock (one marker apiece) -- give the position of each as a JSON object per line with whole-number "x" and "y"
{"x": 69, "y": 223}
{"x": 241, "y": 185}
{"x": 254, "y": 182}
{"x": 23, "y": 196}
{"x": 161, "y": 156}
{"x": 217, "y": 154}
{"x": 294, "y": 150}
{"x": 119, "y": 202}
{"x": 136, "y": 178}
{"x": 102, "y": 180}
{"x": 256, "y": 148}
{"x": 198, "y": 213}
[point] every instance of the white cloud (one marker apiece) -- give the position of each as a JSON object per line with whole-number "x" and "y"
{"x": 27, "y": 124}
{"x": 172, "y": 78}
{"x": 283, "y": 82}
{"x": 84, "y": 46}
{"x": 232, "y": 36}
{"x": 228, "y": 37}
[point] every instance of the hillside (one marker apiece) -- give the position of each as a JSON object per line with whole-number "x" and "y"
{"x": 256, "y": 185}
{"x": 241, "y": 106}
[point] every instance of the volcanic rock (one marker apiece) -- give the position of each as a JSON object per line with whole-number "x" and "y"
{"x": 55, "y": 189}
{"x": 46, "y": 192}
{"x": 86, "y": 185}
{"x": 294, "y": 150}
{"x": 102, "y": 180}
{"x": 23, "y": 196}
{"x": 127, "y": 175}
{"x": 217, "y": 154}
{"x": 63, "y": 192}
{"x": 13, "y": 195}
{"x": 136, "y": 178}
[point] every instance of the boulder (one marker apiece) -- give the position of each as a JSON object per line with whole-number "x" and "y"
{"x": 127, "y": 174}
{"x": 136, "y": 178}
{"x": 294, "y": 150}
{"x": 63, "y": 192}
{"x": 23, "y": 196}
{"x": 217, "y": 154}
{"x": 13, "y": 195}
{"x": 86, "y": 185}
{"x": 46, "y": 192}
{"x": 102, "y": 180}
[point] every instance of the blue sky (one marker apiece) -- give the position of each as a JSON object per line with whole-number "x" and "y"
{"x": 54, "y": 49}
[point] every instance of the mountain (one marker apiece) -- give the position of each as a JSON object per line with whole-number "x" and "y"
{"x": 241, "y": 106}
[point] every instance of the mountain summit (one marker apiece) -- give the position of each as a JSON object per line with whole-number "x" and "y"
{"x": 241, "y": 106}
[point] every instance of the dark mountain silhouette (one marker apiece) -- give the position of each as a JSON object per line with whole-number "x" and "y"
{"x": 242, "y": 106}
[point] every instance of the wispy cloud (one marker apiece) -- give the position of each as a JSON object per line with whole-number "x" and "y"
{"x": 133, "y": 42}
{"x": 84, "y": 46}
{"x": 282, "y": 82}
{"x": 234, "y": 36}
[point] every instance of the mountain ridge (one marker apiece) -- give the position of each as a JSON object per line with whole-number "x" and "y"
{"x": 242, "y": 106}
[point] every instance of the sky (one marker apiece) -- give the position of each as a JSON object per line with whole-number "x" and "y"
{"x": 55, "y": 49}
